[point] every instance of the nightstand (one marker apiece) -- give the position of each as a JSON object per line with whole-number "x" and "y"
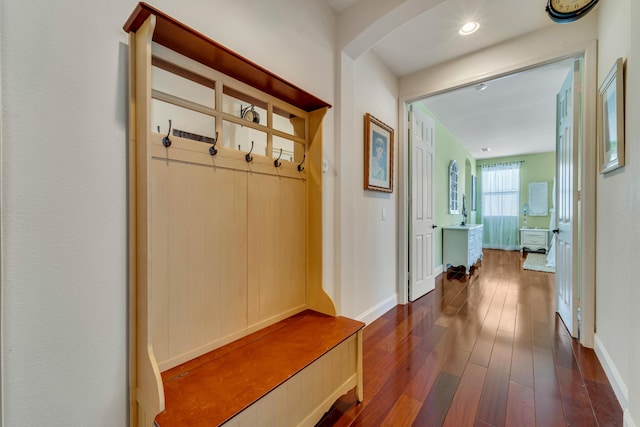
{"x": 534, "y": 239}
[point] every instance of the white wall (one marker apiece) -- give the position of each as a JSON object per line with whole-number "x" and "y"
{"x": 632, "y": 417}
{"x": 615, "y": 249}
{"x": 374, "y": 269}
{"x": 64, "y": 191}
{"x": 618, "y": 293}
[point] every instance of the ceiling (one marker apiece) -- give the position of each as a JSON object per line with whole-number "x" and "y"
{"x": 512, "y": 115}
{"x": 515, "y": 114}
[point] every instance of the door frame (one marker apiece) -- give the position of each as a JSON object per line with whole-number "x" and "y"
{"x": 587, "y": 174}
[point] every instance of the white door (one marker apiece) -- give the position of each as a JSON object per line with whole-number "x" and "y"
{"x": 567, "y": 293}
{"x": 421, "y": 275}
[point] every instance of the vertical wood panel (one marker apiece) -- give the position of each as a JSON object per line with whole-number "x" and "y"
{"x": 159, "y": 223}
{"x": 294, "y": 243}
{"x": 214, "y": 257}
{"x": 178, "y": 258}
{"x": 277, "y": 267}
{"x": 196, "y": 258}
{"x": 231, "y": 247}
{"x": 200, "y": 248}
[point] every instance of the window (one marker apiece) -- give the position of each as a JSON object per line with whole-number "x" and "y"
{"x": 501, "y": 190}
{"x": 453, "y": 187}
{"x": 500, "y": 205}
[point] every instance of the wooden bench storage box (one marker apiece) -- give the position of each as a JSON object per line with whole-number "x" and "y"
{"x": 226, "y": 296}
{"x": 291, "y": 372}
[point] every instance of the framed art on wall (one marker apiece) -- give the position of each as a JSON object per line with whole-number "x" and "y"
{"x": 378, "y": 155}
{"x": 611, "y": 119}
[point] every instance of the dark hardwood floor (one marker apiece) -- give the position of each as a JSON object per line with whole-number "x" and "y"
{"x": 484, "y": 350}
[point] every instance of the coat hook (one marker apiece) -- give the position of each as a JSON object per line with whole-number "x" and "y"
{"x": 300, "y": 167}
{"x": 247, "y": 156}
{"x": 277, "y": 162}
{"x": 212, "y": 150}
{"x": 166, "y": 141}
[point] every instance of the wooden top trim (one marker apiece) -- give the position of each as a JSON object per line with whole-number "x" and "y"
{"x": 178, "y": 37}
{"x": 211, "y": 389}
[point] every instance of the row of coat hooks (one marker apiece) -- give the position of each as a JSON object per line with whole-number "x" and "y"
{"x": 166, "y": 142}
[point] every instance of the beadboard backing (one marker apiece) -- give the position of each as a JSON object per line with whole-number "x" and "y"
{"x": 228, "y": 253}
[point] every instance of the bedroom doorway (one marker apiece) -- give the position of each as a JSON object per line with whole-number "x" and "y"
{"x": 585, "y": 184}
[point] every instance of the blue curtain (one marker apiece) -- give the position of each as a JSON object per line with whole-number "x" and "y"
{"x": 501, "y": 205}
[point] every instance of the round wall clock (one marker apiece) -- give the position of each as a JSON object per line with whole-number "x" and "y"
{"x": 569, "y": 10}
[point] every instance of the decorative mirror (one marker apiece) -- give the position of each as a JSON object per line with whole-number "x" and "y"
{"x": 453, "y": 187}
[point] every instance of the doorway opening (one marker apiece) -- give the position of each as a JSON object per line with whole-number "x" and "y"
{"x": 453, "y": 105}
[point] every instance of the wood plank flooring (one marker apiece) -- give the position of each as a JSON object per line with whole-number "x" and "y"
{"x": 484, "y": 350}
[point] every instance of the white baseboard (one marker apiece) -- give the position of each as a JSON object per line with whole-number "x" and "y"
{"x": 374, "y": 312}
{"x": 619, "y": 387}
{"x": 627, "y": 421}
{"x": 439, "y": 270}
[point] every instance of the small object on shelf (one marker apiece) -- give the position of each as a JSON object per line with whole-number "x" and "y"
{"x": 250, "y": 114}
{"x": 464, "y": 209}
{"x": 525, "y": 211}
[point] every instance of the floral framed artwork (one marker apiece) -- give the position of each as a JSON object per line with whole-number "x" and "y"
{"x": 378, "y": 155}
{"x": 611, "y": 119}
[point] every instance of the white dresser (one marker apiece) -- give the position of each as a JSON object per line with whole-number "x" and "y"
{"x": 534, "y": 239}
{"x": 461, "y": 245}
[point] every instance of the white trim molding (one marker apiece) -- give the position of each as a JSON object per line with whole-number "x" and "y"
{"x": 378, "y": 310}
{"x": 627, "y": 421}
{"x": 614, "y": 377}
{"x": 439, "y": 270}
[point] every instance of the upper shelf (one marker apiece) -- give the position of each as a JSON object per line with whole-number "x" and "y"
{"x": 187, "y": 41}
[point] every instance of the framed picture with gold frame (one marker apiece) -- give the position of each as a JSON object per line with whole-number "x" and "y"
{"x": 378, "y": 155}
{"x": 611, "y": 119}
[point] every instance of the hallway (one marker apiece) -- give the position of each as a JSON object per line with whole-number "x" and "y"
{"x": 484, "y": 351}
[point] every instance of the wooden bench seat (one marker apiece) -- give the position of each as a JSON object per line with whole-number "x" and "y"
{"x": 215, "y": 387}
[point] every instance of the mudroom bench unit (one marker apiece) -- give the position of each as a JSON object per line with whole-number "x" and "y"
{"x": 288, "y": 373}
{"x": 229, "y": 322}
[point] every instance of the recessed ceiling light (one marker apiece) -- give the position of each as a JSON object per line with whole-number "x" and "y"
{"x": 485, "y": 149}
{"x": 469, "y": 28}
{"x": 481, "y": 86}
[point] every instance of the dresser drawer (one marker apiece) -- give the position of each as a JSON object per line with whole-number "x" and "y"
{"x": 533, "y": 238}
